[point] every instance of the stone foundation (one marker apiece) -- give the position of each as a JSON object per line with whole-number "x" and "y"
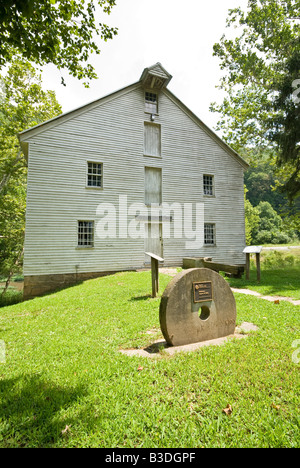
{"x": 37, "y": 285}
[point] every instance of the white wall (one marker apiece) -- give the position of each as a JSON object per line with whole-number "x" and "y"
{"x": 113, "y": 133}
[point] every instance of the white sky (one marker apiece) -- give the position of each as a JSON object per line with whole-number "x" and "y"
{"x": 178, "y": 34}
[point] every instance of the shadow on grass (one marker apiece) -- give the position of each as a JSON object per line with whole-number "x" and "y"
{"x": 72, "y": 284}
{"x": 30, "y": 411}
{"x": 141, "y": 298}
{"x": 157, "y": 347}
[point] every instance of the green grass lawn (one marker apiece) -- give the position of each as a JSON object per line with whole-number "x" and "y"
{"x": 64, "y": 382}
{"x": 280, "y": 275}
{"x": 274, "y": 282}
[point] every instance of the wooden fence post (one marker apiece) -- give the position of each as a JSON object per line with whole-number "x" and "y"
{"x": 247, "y": 266}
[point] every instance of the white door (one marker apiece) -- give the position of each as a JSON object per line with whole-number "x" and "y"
{"x": 153, "y": 198}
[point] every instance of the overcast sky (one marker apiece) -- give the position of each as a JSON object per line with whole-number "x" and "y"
{"x": 178, "y": 34}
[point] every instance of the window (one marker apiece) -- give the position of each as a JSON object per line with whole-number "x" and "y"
{"x": 151, "y": 103}
{"x": 94, "y": 175}
{"x": 209, "y": 234}
{"x": 208, "y": 185}
{"x": 153, "y": 185}
{"x": 85, "y": 233}
{"x": 152, "y": 140}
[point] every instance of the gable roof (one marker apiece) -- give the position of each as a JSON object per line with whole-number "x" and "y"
{"x": 30, "y": 132}
{"x": 155, "y": 71}
{"x": 206, "y": 129}
{"x": 155, "y": 77}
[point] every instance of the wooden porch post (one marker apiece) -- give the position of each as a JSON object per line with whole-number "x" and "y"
{"x": 258, "y": 266}
{"x": 247, "y": 266}
{"x": 154, "y": 275}
{"x": 154, "y": 272}
{"x": 253, "y": 249}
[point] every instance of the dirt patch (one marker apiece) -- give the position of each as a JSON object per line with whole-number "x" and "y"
{"x": 160, "y": 347}
{"x": 168, "y": 271}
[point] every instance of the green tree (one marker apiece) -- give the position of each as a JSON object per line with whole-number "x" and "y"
{"x": 255, "y": 64}
{"x": 251, "y": 220}
{"x": 270, "y": 227}
{"x": 261, "y": 182}
{"x": 285, "y": 124}
{"x": 269, "y": 219}
{"x": 23, "y": 104}
{"x": 61, "y": 32}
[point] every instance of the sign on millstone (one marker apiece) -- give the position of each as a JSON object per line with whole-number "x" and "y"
{"x": 197, "y": 305}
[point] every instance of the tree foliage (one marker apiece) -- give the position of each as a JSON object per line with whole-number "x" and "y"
{"x": 285, "y": 124}
{"x": 270, "y": 226}
{"x": 262, "y": 182}
{"x": 260, "y": 65}
{"x": 62, "y": 32}
{"x": 23, "y": 104}
{"x": 251, "y": 220}
{"x": 264, "y": 225}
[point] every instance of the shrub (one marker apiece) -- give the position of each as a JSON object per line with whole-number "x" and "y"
{"x": 290, "y": 260}
{"x": 276, "y": 259}
{"x": 263, "y": 237}
{"x": 270, "y": 229}
{"x": 280, "y": 237}
{"x": 10, "y": 297}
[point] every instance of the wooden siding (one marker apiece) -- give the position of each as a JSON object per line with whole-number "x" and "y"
{"x": 158, "y": 71}
{"x": 112, "y": 133}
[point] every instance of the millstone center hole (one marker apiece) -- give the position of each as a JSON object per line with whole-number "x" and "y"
{"x": 204, "y": 313}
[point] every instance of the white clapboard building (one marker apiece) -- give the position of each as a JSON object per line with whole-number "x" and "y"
{"x": 133, "y": 172}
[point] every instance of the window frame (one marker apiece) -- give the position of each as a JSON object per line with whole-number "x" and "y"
{"x": 148, "y": 153}
{"x": 90, "y": 245}
{"x": 94, "y": 187}
{"x": 213, "y": 225}
{"x": 212, "y": 185}
{"x": 154, "y": 204}
{"x": 148, "y": 111}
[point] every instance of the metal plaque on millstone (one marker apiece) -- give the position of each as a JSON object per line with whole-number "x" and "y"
{"x": 197, "y": 305}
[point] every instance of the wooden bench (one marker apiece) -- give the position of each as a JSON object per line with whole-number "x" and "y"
{"x": 235, "y": 271}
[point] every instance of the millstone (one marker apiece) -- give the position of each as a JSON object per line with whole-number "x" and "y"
{"x": 197, "y": 305}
